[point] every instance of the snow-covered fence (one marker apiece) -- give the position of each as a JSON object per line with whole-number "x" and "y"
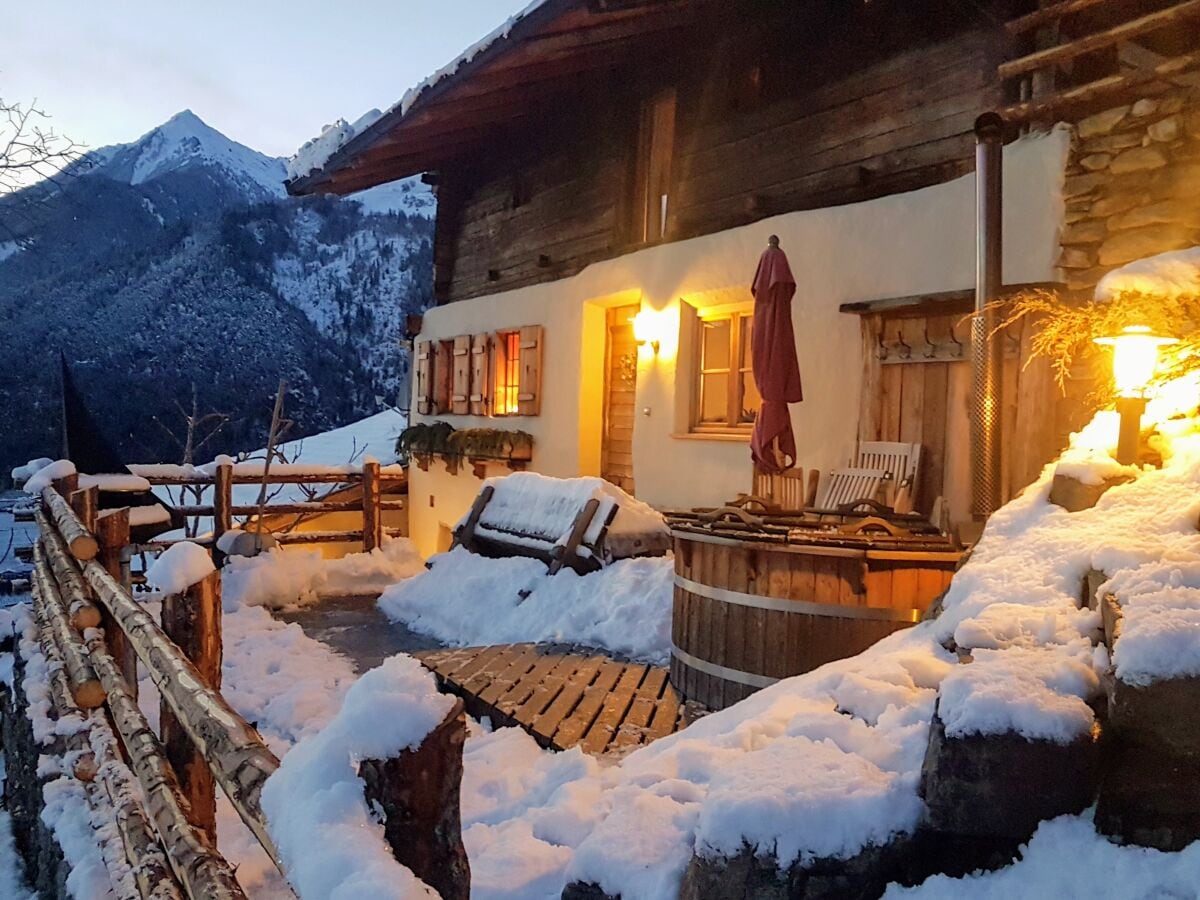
{"x": 204, "y": 741}
{"x": 352, "y": 489}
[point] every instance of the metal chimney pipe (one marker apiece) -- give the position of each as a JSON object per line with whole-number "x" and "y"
{"x": 986, "y": 351}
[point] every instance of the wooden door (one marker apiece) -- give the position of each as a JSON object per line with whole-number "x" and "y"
{"x": 620, "y": 395}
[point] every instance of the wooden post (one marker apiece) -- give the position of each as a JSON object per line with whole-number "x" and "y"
{"x": 112, "y": 532}
{"x": 86, "y": 504}
{"x": 372, "y": 493}
{"x": 222, "y": 508}
{"x": 66, "y": 485}
{"x": 418, "y": 792}
{"x": 193, "y": 622}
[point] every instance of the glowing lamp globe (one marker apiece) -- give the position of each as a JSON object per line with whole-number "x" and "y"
{"x": 644, "y": 331}
{"x": 1135, "y": 357}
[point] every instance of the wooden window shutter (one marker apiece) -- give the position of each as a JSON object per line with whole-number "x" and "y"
{"x": 481, "y": 345}
{"x": 424, "y": 373}
{"x": 443, "y": 376}
{"x": 529, "y": 400}
{"x": 460, "y": 397}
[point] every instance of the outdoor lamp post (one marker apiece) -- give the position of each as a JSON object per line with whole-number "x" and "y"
{"x": 1135, "y": 357}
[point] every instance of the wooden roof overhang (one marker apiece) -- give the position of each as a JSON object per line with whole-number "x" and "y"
{"x": 510, "y": 81}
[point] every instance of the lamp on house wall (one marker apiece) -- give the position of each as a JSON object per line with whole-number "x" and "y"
{"x": 1135, "y": 358}
{"x": 645, "y": 329}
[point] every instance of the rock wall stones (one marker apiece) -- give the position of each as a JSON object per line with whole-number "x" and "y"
{"x": 1132, "y": 179}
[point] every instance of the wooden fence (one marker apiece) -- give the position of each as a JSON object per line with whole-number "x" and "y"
{"x": 81, "y": 580}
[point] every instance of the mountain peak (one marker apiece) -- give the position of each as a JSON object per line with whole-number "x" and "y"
{"x": 185, "y": 140}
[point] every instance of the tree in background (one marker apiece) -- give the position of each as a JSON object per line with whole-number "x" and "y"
{"x": 31, "y": 152}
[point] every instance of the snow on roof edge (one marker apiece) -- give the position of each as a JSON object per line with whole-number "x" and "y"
{"x": 303, "y": 165}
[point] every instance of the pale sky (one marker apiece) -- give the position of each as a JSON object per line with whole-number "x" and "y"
{"x": 267, "y": 73}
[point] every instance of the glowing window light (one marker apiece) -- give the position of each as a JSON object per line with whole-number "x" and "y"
{"x": 1135, "y": 357}
{"x": 508, "y": 374}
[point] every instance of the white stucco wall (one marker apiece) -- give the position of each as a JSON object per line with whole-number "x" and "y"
{"x": 919, "y": 242}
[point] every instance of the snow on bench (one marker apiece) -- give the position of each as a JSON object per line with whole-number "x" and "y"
{"x": 584, "y": 523}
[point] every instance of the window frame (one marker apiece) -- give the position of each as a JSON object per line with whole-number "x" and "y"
{"x": 506, "y": 362}
{"x": 740, "y": 318}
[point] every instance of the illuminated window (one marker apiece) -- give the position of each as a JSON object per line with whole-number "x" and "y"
{"x": 727, "y": 398}
{"x": 508, "y": 373}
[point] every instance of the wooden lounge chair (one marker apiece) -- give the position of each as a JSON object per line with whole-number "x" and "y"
{"x": 876, "y": 468}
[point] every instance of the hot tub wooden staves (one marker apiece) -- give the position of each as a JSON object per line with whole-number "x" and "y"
{"x": 748, "y": 613}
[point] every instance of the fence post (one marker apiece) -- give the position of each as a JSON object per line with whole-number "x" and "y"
{"x": 112, "y": 532}
{"x": 222, "y": 507}
{"x": 86, "y": 504}
{"x": 66, "y": 485}
{"x": 372, "y": 493}
{"x": 192, "y": 621}
{"x": 418, "y": 792}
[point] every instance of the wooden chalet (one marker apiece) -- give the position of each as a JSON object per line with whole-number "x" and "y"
{"x": 598, "y": 160}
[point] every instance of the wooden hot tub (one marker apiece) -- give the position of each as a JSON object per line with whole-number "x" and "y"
{"x": 756, "y": 602}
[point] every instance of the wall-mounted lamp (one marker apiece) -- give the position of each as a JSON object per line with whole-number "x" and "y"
{"x": 1135, "y": 357}
{"x": 644, "y": 330}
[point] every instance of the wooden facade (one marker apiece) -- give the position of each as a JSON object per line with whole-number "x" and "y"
{"x": 785, "y": 110}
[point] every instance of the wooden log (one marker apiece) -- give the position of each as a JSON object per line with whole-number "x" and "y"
{"x": 200, "y": 869}
{"x": 66, "y": 485}
{"x": 75, "y": 593}
{"x": 112, "y": 530}
{"x": 147, "y": 862}
{"x": 190, "y": 480}
{"x": 1048, "y": 105}
{"x": 239, "y": 759}
{"x": 222, "y": 510}
{"x": 82, "y": 543}
{"x": 319, "y": 537}
{"x": 1099, "y": 40}
{"x": 1049, "y": 14}
{"x": 86, "y": 504}
{"x": 85, "y": 686}
{"x": 193, "y": 622}
{"x": 372, "y": 519}
{"x": 418, "y": 792}
{"x": 61, "y": 702}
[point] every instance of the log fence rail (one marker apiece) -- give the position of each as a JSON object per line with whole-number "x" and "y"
{"x": 350, "y": 492}
{"x": 168, "y": 832}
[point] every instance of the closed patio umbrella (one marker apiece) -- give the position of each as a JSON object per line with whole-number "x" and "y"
{"x": 776, "y": 370}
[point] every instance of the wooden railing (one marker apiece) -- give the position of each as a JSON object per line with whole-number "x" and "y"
{"x": 1057, "y": 47}
{"x": 351, "y": 492}
{"x": 81, "y": 580}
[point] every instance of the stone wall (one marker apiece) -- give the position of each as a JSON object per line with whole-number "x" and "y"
{"x": 1132, "y": 186}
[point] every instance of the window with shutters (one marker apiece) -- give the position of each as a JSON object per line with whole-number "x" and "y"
{"x": 517, "y": 371}
{"x": 726, "y": 398}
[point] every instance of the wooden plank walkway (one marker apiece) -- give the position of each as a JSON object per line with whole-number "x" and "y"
{"x": 562, "y": 699}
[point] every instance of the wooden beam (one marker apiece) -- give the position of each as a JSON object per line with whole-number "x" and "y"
{"x": 83, "y": 612}
{"x": 79, "y": 540}
{"x": 943, "y": 298}
{"x": 1098, "y": 41}
{"x": 85, "y": 686}
{"x": 372, "y": 515}
{"x": 1048, "y": 14}
{"x": 1049, "y": 105}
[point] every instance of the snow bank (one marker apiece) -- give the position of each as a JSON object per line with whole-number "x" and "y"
{"x": 330, "y": 841}
{"x": 465, "y": 599}
{"x": 47, "y": 475}
{"x": 279, "y": 579}
{"x": 1066, "y": 859}
{"x": 531, "y": 504}
{"x": 179, "y": 567}
{"x": 1170, "y": 274}
{"x": 1160, "y": 626}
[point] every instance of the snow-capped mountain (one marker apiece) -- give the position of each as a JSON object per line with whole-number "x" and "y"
{"x": 177, "y": 257}
{"x": 183, "y": 142}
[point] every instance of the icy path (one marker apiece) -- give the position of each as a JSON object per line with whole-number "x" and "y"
{"x": 356, "y": 628}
